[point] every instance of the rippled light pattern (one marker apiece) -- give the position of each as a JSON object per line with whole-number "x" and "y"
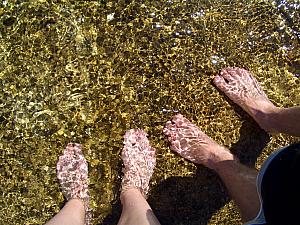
{"x": 87, "y": 71}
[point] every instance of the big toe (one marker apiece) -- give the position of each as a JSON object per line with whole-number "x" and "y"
{"x": 171, "y": 131}
{"x": 134, "y": 136}
{"x": 180, "y": 121}
{"x": 221, "y": 83}
{"x": 177, "y": 119}
{"x": 168, "y": 128}
{"x": 175, "y": 122}
{"x": 233, "y": 71}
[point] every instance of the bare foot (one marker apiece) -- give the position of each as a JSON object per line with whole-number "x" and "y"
{"x": 72, "y": 173}
{"x": 242, "y": 88}
{"x": 139, "y": 161}
{"x": 191, "y": 143}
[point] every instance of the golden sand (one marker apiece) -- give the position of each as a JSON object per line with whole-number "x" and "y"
{"x": 87, "y": 71}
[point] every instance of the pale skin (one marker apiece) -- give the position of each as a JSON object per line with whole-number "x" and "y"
{"x": 191, "y": 143}
{"x": 136, "y": 209}
{"x": 71, "y": 214}
{"x": 139, "y": 161}
{"x": 72, "y": 174}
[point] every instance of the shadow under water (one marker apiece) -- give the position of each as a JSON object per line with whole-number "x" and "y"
{"x": 188, "y": 200}
{"x": 182, "y": 200}
{"x": 87, "y": 71}
{"x": 193, "y": 200}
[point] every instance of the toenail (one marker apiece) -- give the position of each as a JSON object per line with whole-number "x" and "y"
{"x": 217, "y": 79}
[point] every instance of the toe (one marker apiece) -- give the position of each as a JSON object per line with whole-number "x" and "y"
{"x": 131, "y": 137}
{"x": 185, "y": 121}
{"x": 220, "y": 82}
{"x": 77, "y": 149}
{"x": 244, "y": 74}
{"x": 152, "y": 151}
{"x": 243, "y": 71}
{"x": 178, "y": 120}
{"x": 229, "y": 77}
{"x": 168, "y": 127}
{"x": 176, "y": 147}
{"x": 69, "y": 150}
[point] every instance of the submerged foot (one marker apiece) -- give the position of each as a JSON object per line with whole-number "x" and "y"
{"x": 72, "y": 173}
{"x": 191, "y": 143}
{"x": 243, "y": 89}
{"x": 139, "y": 161}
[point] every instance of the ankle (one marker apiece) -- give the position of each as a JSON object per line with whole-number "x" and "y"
{"x": 77, "y": 205}
{"x": 219, "y": 156}
{"x": 76, "y": 202}
{"x": 128, "y": 190}
{"x": 225, "y": 166}
{"x": 129, "y": 194}
{"x": 267, "y": 119}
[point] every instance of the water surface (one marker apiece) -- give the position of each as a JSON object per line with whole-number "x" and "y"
{"x": 86, "y": 71}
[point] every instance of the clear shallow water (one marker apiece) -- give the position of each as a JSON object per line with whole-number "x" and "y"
{"x": 87, "y": 71}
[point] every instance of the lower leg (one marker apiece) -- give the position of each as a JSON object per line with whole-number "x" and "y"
{"x": 136, "y": 210}
{"x": 73, "y": 213}
{"x": 280, "y": 120}
{"x": 191, "y": 143}
{"x": 139, "y": 161}
{"x": 240, "y": 182}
